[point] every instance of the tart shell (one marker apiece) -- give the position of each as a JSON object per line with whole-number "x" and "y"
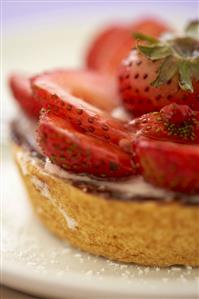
{"x": 153, "y": 233}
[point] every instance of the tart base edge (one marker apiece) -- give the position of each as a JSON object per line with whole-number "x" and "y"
{"x": 151, "y": 233}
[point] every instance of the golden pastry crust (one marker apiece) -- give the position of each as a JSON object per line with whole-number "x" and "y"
{"x": 153, "y": 233}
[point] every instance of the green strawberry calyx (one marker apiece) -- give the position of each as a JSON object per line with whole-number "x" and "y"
{"x": 178, "y": 55}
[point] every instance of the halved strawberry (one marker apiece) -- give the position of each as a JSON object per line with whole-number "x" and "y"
{"x": 113, "y": 44}
{"x": 108, "y": 49}
{"x": 176, "y": 123}
{"x": 22, "y": 92}
{"x": 92, "y": 87}
{"x": 160, "y": 72}
{"x": 54, "y": 93}
{"x": 169, "y": 165}
{"x": 79, "y": 153}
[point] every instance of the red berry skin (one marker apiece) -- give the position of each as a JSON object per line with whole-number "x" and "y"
{"x": 21, "y": 89}
{"x": 94, "y": 88}
{"x": 76, "y": 152}
{"x": 176, "y": 123}
{"x": 138, "y": 95}
{"x": 96, "y": 58}
{"x": 53, "y": 93}
{"x": 177, "y": 114}
{"x": 114, "y": 43}
{"x": 169, "y": 165}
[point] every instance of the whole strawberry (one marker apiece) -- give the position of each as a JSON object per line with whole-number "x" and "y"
{"x": 158, "y": 73}
{"x": 114, "y": 43}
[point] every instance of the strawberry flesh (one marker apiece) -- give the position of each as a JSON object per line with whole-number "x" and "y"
{"x": 176, "y": 123}
{"x": 76, "y": 152}
{"x": 169, "y": 165}
{"x": 177, "y": 114}
{"x": 166, "y": 148}
{"x": 22, "y": 92}
{"x": 101, "y": 56}
{"x": 94, "y": 88}
{"x": 114, "y": 43}
{"x": 53, "y": 93}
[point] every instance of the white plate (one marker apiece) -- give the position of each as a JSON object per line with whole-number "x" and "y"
{"x": 35, "y": 261}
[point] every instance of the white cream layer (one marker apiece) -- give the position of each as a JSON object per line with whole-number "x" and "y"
{"x": 132, "y": 187}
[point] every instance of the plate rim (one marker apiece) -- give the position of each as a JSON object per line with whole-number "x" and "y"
{"x": 25, "y": 279}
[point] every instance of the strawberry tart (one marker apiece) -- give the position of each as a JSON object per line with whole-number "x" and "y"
{"x": 109, "y": 154}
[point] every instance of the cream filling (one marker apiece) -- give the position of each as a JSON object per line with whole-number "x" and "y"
{"x": 132, "y": 187}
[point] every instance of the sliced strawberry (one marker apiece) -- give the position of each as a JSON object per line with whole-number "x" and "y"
{"x": 113, "y": 44}
{"x": 94, "y": 88}
{"x": 53, "y": 89}
{"x": 169, "y": 165}
{"x": 79, "y": 153}
{"x": 151, "y": 26}
{"x": 176, "y": 123}
{"x": 22, "y": 92}
{"x": 108, "y": 49}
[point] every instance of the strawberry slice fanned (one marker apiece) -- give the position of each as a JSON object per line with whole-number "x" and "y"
{"x": 94, "y": 88}
{"x": 22, "y": 92}
{"x": 54, "y": 93}
{"x": 76, "y": 152}
{"x": 169, "y": 165}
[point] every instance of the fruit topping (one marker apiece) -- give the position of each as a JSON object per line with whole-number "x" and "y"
{"x": 166, "y": 148}
{"x": 177, "y": 123}
{"x": 22, "y": 92}
{"x": 77, "y": 152}
{"x": 114, "y": 43}
{"x": 168, "y": 165}
{"x": 160, "y": 72}
{"x": 52, "y": 91}
{"x": 159, "y": 84}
